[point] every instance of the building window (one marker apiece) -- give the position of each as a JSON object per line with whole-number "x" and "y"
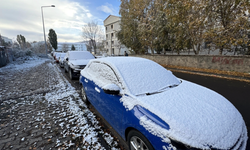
{"x": 111, "y": 26}
{"x": 113, "y": 51}
{"x": 106, "y": 28}
{"x": 107, "y": 36}
{"x": 107, "y": 43}
{"x": 112, "y": 42}
{"x": 112, "y": 34}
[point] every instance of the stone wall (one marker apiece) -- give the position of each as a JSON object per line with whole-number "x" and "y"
{"x": 226, "y": 63}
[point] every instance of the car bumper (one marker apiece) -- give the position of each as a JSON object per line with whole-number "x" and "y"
{"x": 76, "y": 72}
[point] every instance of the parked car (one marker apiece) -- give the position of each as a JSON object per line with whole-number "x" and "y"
{"x": 61, "y": 58}
{"x": 57, "y": 56}
{"x": 54, "y": 55}
{"x": 152, "y": 109}
{"x": 75, "y": 61}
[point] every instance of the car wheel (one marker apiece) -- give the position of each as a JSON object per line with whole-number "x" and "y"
{"x": 70, "y": 74}
{"x": 137, "y": 141}
{"x": 84, "y": 96}
{"x": 65, "y": 69}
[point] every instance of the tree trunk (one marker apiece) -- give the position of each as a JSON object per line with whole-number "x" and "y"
{"x": 195, "y": 52}
{"x": 198, "y": 49}
{"x": 235, "y": 50}
{"x": 221, "y": 50}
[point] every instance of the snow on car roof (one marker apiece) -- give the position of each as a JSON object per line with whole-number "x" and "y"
{"x": 73, "y": 55}
{"x": 62, "y": 54}
{"x": 141, "y": 75}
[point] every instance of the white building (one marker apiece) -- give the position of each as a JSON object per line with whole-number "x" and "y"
{"x": 66, "y": 46}
{"x": 112, "y": 44}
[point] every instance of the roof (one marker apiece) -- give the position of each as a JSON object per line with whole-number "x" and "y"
{"x": 121, "y": 60}
{"x": 111, "y": 16}
{"x": 139, "y": 74}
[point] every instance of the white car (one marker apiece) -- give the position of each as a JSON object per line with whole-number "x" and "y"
{"x": 75, "y": 61}
{"x": 61, "y": 58}
{"x": 57, "y": 56}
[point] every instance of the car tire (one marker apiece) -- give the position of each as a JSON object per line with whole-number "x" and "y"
{"x": 84, "y": 96}
{"x": 65, "y": 69}
{"x": 136, "y": 141}
{"x": 70, "y": 74}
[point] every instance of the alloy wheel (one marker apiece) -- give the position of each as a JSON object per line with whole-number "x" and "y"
{"x": 84, "y": 98}
{"x": 137, "y": 144}
{"x": 70, "y": 74}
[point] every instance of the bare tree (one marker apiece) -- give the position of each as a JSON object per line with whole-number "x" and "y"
{"x": 92, "y": 32}
{"x": 64, "y": 48}
{"x": 100, "y": 46}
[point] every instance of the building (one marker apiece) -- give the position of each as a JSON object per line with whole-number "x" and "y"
{"x": 64, "y": 47}
{"x": 112, "y": 44}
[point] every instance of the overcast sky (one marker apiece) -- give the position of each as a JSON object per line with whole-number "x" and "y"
{"x": 66, "y": 18}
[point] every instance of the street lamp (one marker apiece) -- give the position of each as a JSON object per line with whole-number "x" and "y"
{"x": 44, "y": 27}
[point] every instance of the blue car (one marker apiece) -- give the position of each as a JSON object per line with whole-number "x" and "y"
{"x": 152, "y": 109}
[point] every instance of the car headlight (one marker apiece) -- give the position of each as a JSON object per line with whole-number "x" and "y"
{"x": 75, "y": 66}
{"x": 152, "y": 117}
{"x": 181, "y": 146}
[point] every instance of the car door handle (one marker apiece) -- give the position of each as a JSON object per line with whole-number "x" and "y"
{"x": 97, "y": 90}
{"x": 86, "y": 80}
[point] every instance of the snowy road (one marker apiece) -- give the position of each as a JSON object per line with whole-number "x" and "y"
{"x": 41, "y": 110}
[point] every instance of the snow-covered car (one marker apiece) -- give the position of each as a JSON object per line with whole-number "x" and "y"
{"x": 75, "y": 61}
{"x": 150, "y": 108}
{"x": 57, "y": 56}
{"x": 61, "y": 58}
{"x": 54, "y": 55}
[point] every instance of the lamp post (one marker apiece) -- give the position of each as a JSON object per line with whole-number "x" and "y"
{"x": 44, "y": 28}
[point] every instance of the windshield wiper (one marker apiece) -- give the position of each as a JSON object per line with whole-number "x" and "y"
{"x": 163, "y": 89}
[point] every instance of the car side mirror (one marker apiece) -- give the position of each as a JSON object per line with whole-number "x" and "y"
{"x": 67, "y": 59}
{"x": 111, "y": 89}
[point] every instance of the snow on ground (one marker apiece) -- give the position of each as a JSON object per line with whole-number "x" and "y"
{"x": 41, "y": 110}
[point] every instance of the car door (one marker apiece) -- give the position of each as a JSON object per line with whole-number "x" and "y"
{"x": 108, "y": 105}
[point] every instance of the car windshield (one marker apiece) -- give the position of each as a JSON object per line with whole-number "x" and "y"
{"x": 62, "y": 55}
{"x": 58, "y": 55}
{"x": 143, "y": 76}
{"x": 80, "y": 55}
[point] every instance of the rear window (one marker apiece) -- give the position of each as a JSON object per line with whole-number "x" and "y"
{"x": 80, "y": 55}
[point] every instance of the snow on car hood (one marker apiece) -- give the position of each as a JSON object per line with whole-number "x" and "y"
{"x": 197, "y": 116}
{"x": 80, "y": 61}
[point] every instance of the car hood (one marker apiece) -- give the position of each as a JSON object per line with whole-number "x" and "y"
{"x": 197, "y": 116}
{"x": 79, "y": 61}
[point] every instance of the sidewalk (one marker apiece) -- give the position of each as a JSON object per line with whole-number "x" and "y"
{"x": 41, "y": 110}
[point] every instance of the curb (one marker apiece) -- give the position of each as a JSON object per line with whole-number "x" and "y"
{"x": 230, "y": 77}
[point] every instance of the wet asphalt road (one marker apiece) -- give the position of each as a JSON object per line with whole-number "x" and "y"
{"x": 237, "y": 92}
